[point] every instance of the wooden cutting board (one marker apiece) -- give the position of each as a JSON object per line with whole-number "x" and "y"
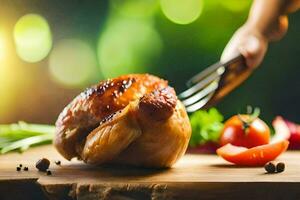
{"x": 193, "y": 177}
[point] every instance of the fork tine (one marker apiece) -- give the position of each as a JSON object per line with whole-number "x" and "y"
{"x": 202, "y": 87}
{"x": 201, "y": 94}
{"x": 201, "y": 84}
{"x": 194, "y": 107}
{"x": 204, "y": 73}
{"x": 212, "y": 68}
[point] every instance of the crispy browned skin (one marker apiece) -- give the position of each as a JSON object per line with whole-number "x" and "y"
{"x": 159, "y": 104}
{"x": 162, "y": 142}
{"x": 86, "y": 111}
{"x": 91, "y": 129}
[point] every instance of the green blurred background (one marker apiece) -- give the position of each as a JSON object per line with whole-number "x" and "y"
{"x": 52, "y": 50}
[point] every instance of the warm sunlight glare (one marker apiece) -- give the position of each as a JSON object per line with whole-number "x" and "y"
{"x": 2, "y": 46}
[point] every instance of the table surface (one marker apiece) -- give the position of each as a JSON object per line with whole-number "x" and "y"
{"x": 192, "y": 175}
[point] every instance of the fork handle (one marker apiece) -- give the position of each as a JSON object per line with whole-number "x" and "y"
{"x": 236, "y": 72}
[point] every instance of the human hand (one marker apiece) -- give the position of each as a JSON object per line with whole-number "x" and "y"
{"x": 267, "y": 22}
{"x": 248, "y": 42}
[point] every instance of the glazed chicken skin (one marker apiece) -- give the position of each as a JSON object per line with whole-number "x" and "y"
{"x": 133, "y": 120}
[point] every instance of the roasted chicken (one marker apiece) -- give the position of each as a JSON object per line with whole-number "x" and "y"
{"x": 133, "y": 120}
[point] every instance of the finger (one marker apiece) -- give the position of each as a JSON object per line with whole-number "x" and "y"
{"x": 253, "y": 49}
{"x": 293, "y": 6}
{"x": 231, "y": 49}
{"x": 279, "y": 29}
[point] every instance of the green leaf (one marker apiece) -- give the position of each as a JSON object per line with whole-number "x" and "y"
{"x": 206, "y": 126}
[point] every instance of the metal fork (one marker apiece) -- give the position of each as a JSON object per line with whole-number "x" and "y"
{"x": 212, "y": 84}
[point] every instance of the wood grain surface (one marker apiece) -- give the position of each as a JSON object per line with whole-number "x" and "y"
{"x": 193, "y": 177}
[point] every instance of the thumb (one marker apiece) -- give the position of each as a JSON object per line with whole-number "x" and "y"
{"x": 253, "y": 48}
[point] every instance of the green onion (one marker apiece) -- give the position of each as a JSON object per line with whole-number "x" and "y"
{"x": 21, "y": 136}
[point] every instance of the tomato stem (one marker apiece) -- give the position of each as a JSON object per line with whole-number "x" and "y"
{"x": 253, "y": 114}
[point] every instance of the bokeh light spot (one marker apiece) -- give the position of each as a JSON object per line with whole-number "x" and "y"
{"x": 136, "y": 8}
{"x": 128, "y": 46}
{"x": 182, "y": 11}
{"x": 72, "y": 63}
{"x": 32, "y": 37}
{"x": 236, "y": 5}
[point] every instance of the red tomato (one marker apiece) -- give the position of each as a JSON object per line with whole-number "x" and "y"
{"x": 256, "y": 156}
{"x": 239, "y": 133}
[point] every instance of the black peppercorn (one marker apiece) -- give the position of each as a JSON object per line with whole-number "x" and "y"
{"x": 25, "y": 168}
{"x": 270, "y": 167}
{"x": 18, "y": 168}
{"x": 49, "y": 172}
{"x": 42, "y": 164}
{"x": 280, "y": 167}
{"x": 57, "y": 162}
{"x": 20, "y": 165}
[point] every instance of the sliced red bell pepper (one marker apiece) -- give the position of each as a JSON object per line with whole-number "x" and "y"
{"x": 256, "y": 156}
